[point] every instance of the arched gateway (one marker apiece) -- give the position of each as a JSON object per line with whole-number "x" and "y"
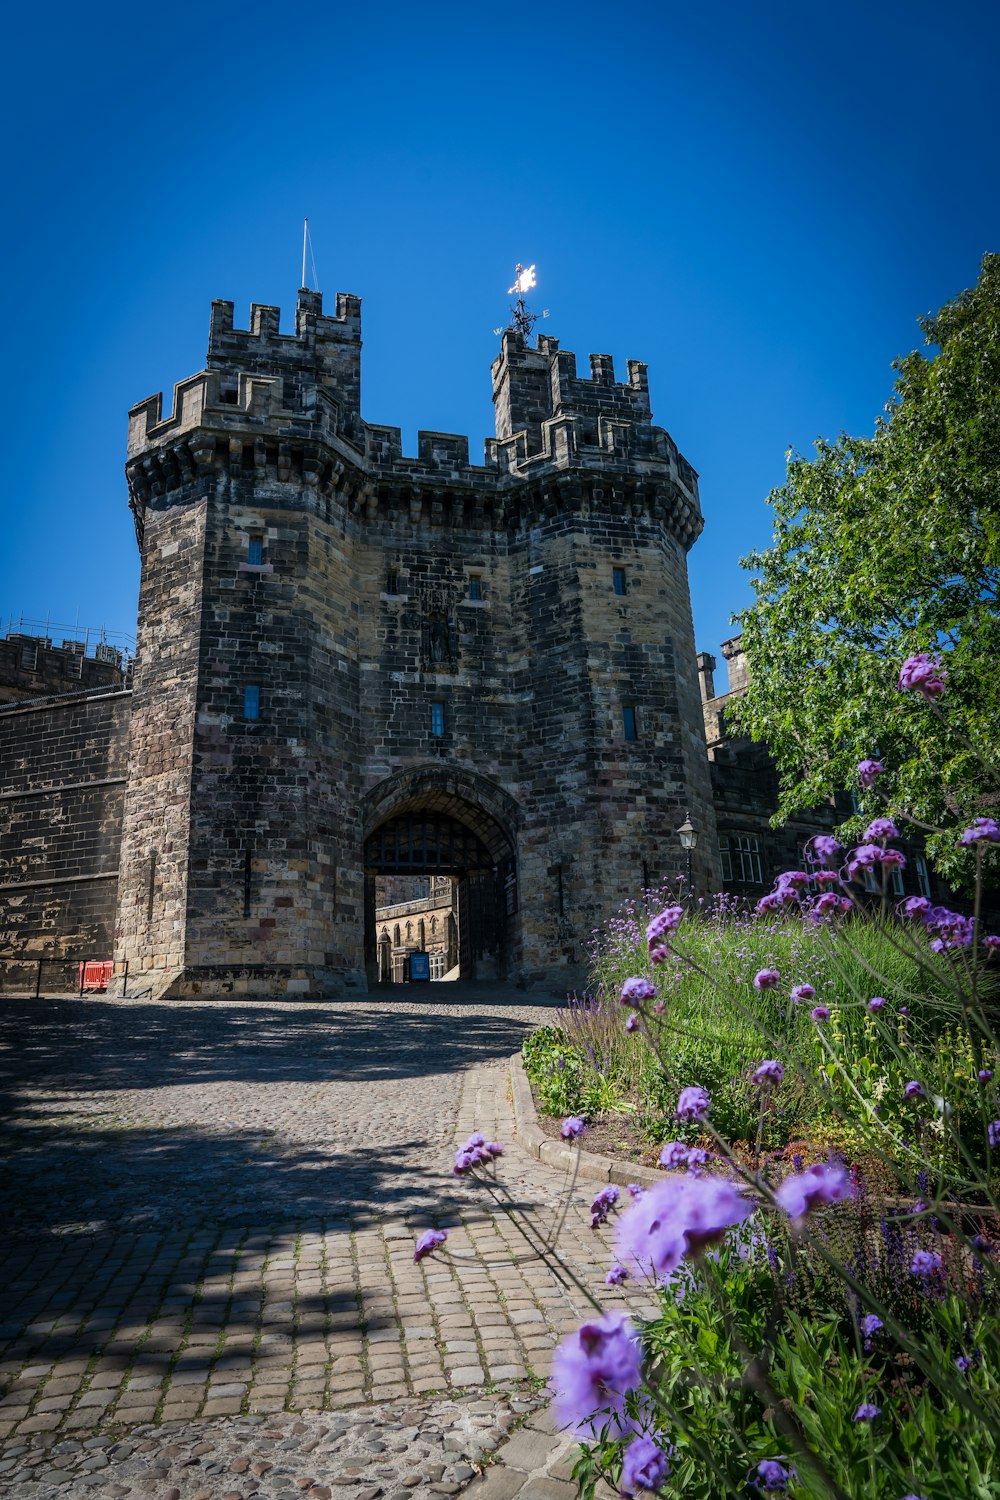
{"x": 434, "y": 822}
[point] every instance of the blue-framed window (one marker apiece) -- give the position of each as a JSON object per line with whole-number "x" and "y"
{"x": 618, "y": 581}
{"x": 629, "y": 722}
{"x": 251, "y": 703}
{"x": 475, "y": 586}
{"x": 437, "y": 719}
{"x": 255, "y": 551}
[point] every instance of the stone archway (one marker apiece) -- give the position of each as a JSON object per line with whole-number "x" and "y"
{"x": 434, "y": 822}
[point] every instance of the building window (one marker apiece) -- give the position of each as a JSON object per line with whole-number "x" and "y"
{"x": 251, "y": 703}
{"x": 629, "y": 723}
{"x": 255, "y": 551}
{"x": 893, "y": 885}
{"x": 392, "y": 582}
{"x": 921, "y": 875}
{"x": 437, "y": 719}
{"x": 475, "y": 586}
{"x": 618, "y": 580}
{"x": 741, "y": 858}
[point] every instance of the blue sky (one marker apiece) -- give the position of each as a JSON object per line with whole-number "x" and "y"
{"x": 757, "y": 200}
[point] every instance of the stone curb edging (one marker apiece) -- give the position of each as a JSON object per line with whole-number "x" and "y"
{"x": 553, "y": 1153}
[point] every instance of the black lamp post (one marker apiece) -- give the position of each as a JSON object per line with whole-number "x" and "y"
{"x": 688, "y": 835}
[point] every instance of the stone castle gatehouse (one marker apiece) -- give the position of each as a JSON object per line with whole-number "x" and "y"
{"x": 355, "y": 664}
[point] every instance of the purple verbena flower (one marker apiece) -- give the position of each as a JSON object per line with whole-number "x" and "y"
{"x": 428, "y": 1241}
{"x": 817, "y": 1187}
{"x": 644, "y": 1467}
{"x": 993, "y": 1131}
{"x": 602, "y": 1206}
{"x": 964, "y": 1363}
{"x": 880, "y": 828}
{"x": 913, "y": 1090}
{"x": 870, "y": 1326}
{"x": 876, "y": 1003}
{"x": 803, "y": 992}
{"x": 984, "y": 1075}
{"x": 868, "y": 770}
{"x": 769, "y": 1071}
{"x": 825, "y": 848}
{"x": 632, "y": 1023}
{"x": 925, "y": 1263}
{"x": 592, "y": 1372}
{"x": 696, "y": 1159}
{"x": 981, "y": 830}
{"x": 616, "y": 1276}
{"x": 820, "y": 1013}
{"x": 674, "y": 1154}
{"x": 676, "y": 1217}
{"x": 635, "y": 991}
{"x": 664, "y": 923}
{"x": 572, "y": 1127}
{"x": 766, "y": 979}
{"x": 692, "y": 1104}
{"x": 915, "y": 906}
{"x": 792, "y": 880}
{"x": 867, "y": 1412}
{"x": 634, "y": 1190}
{"x": 922, "y": 674}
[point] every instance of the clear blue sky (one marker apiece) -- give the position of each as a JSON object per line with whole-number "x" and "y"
{"x": 758, "y": 200}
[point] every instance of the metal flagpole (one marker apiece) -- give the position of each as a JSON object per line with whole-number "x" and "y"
{"x": 305, "y": 235}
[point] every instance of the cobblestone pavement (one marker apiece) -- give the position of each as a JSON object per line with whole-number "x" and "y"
{"x": 209, "y": 1212}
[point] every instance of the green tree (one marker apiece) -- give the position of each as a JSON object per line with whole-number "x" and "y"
{"x": 887, "y": 546}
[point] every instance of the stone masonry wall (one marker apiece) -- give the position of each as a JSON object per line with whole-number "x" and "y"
{"x": 62, "y": 783}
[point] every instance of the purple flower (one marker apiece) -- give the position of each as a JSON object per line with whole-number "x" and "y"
{"x": 922, "y": 674}
{"x": 876, "y": 1003}
{"x": 867, "y": 1412}
{"x": 632, "y": 1024}
{"x": 981, "y": 829}
{"x": 616, "y": 1276}
{"x": 634, "y": 1190}
{"x": 792, "y": 880}
{"x": 881, "y": 828}
{"x": 866, "y": 856}
{"x": 769, "y": 1071}
{"x": 993, "y": 1131}
{"x": 696, "y": 1159}
{"x": 915, "y": 906}
{"x": 984, "y": 1075}
{"x": 772, "y": 1475}
{"x": 572, "y": 1127}
{"x": 602, "y": 1206}
{"x": 817, "y": 1187}
{"x": 674, "y": 1154}
{"x": 964, "y": 1363}
{"x": 820, "y": 1013}
{"x": 773, "y": 901}
{"x": 663, "y": 924}
{"x": 692, "y": 1104}
{"x": 592, "y": 1371}
{"x": 644, "y": 1466}
{"x": 825, "y": 877}
{"x": 428, "y": 1241}
{"x": 825, "y": 847}
{"x": 803, "y": 992}
{"x": 635, "y": 991}
{"x": 868, "y": 770}
{"x": 676, "y": 1217}
{"x": 913, "y": 1090}
{"x": 925, "y": 1263}
{"x": 766, "y": 979}
{"x": 659, "y": 955}
{"x": 870, "y": 1326}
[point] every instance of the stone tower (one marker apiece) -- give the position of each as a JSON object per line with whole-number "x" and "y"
{"x": 355, "y": 663}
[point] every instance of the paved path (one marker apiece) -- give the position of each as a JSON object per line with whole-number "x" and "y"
{"x": 209, "y": 1211}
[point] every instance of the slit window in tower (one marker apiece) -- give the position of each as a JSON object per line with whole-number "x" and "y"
{"x": 437, "y": 719}
{"x": 618, "y": 580}
{"x": 475, "y": 586}
{"x": 251, "y": 703}
{"x": 629, "y": 722}
{"x": 255, "y": 551}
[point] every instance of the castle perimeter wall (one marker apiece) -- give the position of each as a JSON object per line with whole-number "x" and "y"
{"x": 62, "y": 785}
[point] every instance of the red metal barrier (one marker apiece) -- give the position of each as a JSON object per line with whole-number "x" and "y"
{"x": 95, "y": 976}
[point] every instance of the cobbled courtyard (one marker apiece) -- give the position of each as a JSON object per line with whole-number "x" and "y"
{"x": 209, "y": 1212}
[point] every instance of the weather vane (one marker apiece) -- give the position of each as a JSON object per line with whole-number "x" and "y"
{"x": 521, "y": 319}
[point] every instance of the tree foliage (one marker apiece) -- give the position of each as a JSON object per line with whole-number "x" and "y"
{"x": 885, "y": 546}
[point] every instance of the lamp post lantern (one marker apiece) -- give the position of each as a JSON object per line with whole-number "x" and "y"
{"x": 688, "y": 835}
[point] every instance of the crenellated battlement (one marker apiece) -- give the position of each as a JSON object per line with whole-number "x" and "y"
{"x": 279, "y": 404}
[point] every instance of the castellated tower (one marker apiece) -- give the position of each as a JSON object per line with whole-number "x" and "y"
{"x": 354, "y": 663}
